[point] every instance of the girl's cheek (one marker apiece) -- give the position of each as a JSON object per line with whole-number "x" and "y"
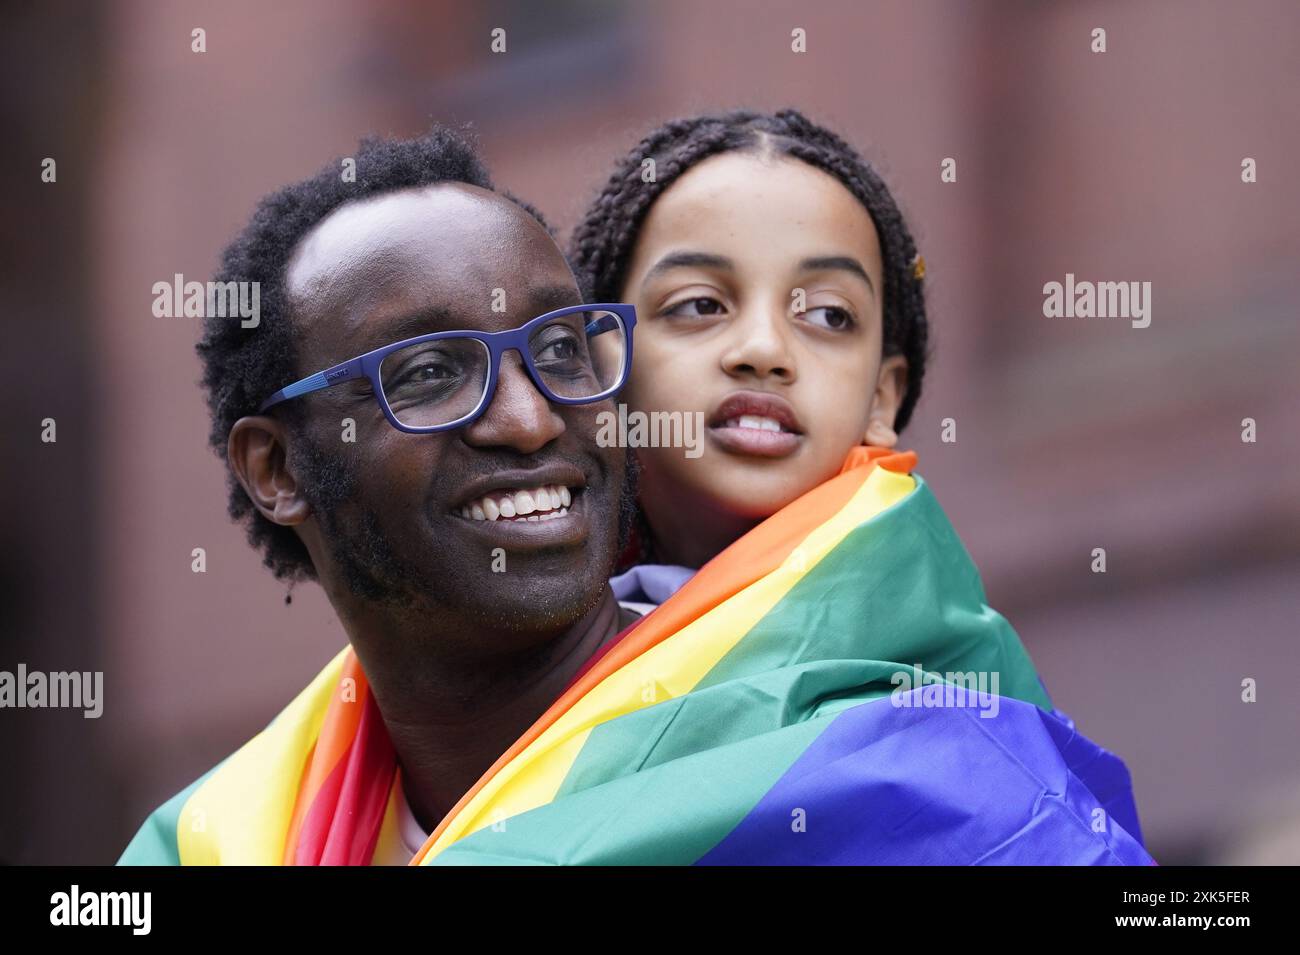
{"x": 657, "y": 390}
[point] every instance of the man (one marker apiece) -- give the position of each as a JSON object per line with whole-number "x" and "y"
{"x": 465, "y": 628}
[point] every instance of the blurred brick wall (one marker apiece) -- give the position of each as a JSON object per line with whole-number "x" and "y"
{"x": 1071, "y": 435}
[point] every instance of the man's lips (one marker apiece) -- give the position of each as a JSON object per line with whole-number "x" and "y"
{"x": 756, "y": 423}
{"x": 500, "y": 485}
{"x": 543, "y": 502}
{"x": 569, "y": 528}
{"x": 540, "y": 507}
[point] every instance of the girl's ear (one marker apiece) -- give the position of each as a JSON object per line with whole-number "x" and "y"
{"x": 891, "y": 388}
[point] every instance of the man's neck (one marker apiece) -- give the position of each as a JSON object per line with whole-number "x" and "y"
{"x": 451, "y": 716}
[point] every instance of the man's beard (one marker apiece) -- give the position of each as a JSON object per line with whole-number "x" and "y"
{"x": 358, "y": 547}
{"x": 368, "y": 565}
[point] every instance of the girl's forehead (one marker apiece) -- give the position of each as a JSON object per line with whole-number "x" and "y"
{"x": 760, "y": 205}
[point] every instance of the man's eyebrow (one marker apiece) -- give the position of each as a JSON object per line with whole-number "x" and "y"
{"x": 547, "y": 298}
{"x": 844, "y": 263}
{"x": 408, "y": 325}
{"x": 439, "y": 318}
{"x": 679, "y": 260}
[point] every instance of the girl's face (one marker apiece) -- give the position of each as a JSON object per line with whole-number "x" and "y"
{"x": 757, "y": 283}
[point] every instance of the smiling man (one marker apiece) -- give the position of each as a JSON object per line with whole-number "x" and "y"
{"x": 448, "y": 494}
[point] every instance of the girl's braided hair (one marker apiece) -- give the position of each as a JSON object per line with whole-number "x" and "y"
{"x": 603, "y": 241}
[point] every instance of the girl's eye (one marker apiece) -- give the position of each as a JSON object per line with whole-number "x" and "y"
{"x": 697, "y": 307}
{"x": 830, "y": 316}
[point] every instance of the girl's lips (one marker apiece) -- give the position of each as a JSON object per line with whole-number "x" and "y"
{"x": 762, "y": 404}
{"x": 755, "y": 442}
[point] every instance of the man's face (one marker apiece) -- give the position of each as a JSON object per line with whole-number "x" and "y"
{"x": 390, "y": 506}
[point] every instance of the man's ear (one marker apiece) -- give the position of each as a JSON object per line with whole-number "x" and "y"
{"x": 891, "y": 388}
{"x": 257, "y": 451}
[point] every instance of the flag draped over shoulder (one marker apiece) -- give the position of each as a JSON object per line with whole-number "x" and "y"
{"x": 310, "y": 789}
{"x": 831, "y": 689}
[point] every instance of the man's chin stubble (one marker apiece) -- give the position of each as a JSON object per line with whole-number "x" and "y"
{"x": 371, "y": 570}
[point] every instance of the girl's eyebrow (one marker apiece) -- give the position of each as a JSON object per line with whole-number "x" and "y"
{"x": 678, "y": 260}
{"x": 843, "y": 262}
{"x": 707, "y": 260}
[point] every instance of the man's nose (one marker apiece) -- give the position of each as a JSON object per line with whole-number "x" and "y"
{"x": 760, "y": 345}
{"x": 518, "y": 415}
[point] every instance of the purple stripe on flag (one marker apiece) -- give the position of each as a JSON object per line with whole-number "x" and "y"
{"x": 890, "y": 784}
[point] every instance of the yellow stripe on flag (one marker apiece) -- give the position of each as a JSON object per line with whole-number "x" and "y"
{"x": 240, "y": 815}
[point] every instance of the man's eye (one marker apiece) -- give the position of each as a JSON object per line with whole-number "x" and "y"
{"x": 830, "y": 316}
{"x": 558, "y": 345}
{"x": 423, "y": 373}
{"x": 431, "y": 372}
{"x": 560, "y": 350}
{"x": 696, "y": 307}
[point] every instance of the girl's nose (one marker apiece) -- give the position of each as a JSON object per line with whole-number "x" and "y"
{"x": 760, "y": 345}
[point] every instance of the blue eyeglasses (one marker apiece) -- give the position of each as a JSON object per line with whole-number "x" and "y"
{"x": 445, "y": 380}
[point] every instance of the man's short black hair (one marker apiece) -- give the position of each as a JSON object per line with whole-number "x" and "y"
{"x": 243, "y": 366}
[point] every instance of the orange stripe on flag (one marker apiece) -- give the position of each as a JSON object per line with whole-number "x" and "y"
{"x": 336, "y": 735}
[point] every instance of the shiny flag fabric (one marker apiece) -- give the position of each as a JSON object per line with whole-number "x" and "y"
{"x": 831, "y": 689}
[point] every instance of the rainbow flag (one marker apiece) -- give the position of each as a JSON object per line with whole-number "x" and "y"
{"x": 831, "y": 689}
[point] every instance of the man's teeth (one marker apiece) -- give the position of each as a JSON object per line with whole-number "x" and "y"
{"x": 530, "y": 504}
{"x": 754, "y": 421}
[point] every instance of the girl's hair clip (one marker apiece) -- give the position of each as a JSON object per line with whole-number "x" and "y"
{"x": 918, "y": 267}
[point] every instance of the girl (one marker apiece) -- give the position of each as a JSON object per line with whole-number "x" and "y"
{"x": 780, "y": 295}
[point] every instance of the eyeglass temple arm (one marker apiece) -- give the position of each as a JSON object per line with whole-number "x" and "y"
{"x": 602, "y": 324}
{"x": 322, "y": 379}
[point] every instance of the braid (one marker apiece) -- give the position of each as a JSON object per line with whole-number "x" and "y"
{"x": 602, "y": 243}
